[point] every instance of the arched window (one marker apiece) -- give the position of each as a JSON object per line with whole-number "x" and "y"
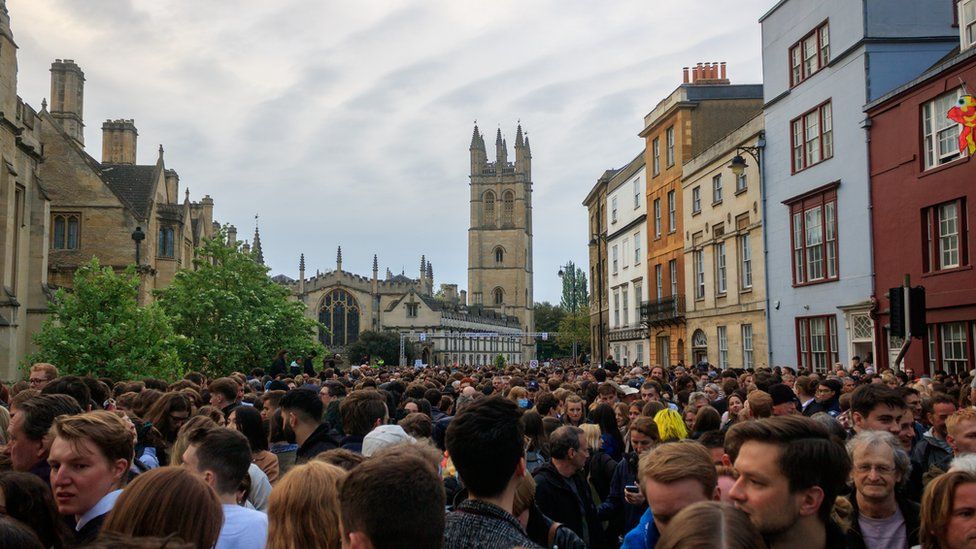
{"x": 489, "y": 209}
{"x": 508, "y": 208}
{"x": 499, "y": 296}
{"x": 65, "y": 229}
{"x": 166, "y": 244}
{"x": 699, "y": 347}
{"x": 499, "y": 255}
{"x": 339, "y": 314}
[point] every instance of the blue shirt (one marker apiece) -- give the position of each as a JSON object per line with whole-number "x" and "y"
{"x": 645, "y": 535}
{"x": 243, "y": 528}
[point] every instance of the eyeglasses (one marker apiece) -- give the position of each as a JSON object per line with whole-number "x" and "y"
{"x": 36, "y": 380}
{"x": 867, "y": 467}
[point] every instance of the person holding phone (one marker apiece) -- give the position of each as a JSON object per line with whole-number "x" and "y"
{"x": 625, "y": 503}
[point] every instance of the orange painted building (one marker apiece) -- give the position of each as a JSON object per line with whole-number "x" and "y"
{"x": 703, "y": 109}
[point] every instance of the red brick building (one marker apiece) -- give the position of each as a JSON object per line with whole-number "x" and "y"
{"x": 923, "y": 193}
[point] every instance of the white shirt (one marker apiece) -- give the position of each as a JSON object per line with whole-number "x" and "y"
{"x": 243, "y": 528}
{"x": 260, "y": 488}
{"x": 103, "y": 506}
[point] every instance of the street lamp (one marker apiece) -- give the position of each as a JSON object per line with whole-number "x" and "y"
{"x": 138, "y": 236}
{"x": 738, "y": 164}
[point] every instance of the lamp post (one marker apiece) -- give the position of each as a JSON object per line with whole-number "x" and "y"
{"x": 138, "y": 236}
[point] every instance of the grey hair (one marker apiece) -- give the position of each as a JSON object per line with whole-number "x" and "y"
{"x": 564, "y": 439}
{"x": 695, "y": 396}
{"x": 716, "y": 388}
{"x": 903, "y": 464}
{"x": 965, "y": 462}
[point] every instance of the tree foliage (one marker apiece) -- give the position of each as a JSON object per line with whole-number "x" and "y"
{"x": 547, "y": 319}
{"x": 575, "y": 327}
{"x": 575, "y": 296}
{"x": 99, "y": 329}
{"x": 233, "y": 316}
{"x": 371, "y": 347}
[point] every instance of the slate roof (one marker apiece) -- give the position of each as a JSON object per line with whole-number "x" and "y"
{"x": 134, "y": 185}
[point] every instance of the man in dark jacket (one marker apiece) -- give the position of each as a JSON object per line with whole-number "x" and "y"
{"x": 880, "y": 518}
{"x": 361, "y": 411}
{"x": 564, "y": 495}
{"x": 301, "y": 410}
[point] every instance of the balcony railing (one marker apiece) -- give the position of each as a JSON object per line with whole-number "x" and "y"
{"x": 664, "y": 311}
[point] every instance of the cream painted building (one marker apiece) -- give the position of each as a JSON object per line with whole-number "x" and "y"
{"x": 724, "y": 276}
{"x": 626, "y": 224}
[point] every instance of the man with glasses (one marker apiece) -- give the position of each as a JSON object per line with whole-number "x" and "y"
{"x": 41, "y": 374}
{"x": 880, "y": 517}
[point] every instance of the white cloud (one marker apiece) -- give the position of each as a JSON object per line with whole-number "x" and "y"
{"x": 348, "y": 122}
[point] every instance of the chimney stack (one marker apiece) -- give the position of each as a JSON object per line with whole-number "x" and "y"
{"x": 119, "y": 142}
{"x": 68, "y": 98}
{"x": 713, "y": 73}
{"x": 685, "y": 71}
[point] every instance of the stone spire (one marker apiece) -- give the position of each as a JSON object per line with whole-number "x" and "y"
{"x": 301, "y": 263}
{"x": 301, "y": 274}
{"x": 479, "y": 158}
{"x": 518, "y": 136}
{"x": 5, "y": 21}
{"x": 256, "y": 246}
{"x": 430, "y": 273}
{"x": 423, "y": 266}
{"x": 339, "y": 259}
{"x": 376, "y": 265}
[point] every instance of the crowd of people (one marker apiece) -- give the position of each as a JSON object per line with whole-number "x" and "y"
{"x": 562, "y": 456}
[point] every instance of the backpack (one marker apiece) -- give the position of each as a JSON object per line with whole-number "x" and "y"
{"x": 561, "y": 537}
{"x": 533, "y": 460}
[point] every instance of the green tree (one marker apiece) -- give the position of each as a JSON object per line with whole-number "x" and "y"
{"x": 99, "y": 329}
{"x": 547, "y": 319}
{"x": 575, "y": 296}
{"x": 232, "y": 315}
{"x": 575, "y": 327}
{"x": 500, "y": 361}
{"x": 372, "y": 346}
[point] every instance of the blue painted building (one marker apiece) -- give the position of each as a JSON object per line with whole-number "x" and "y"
{"x": 822, "y": 62}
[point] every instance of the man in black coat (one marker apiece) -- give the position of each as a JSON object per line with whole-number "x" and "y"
{"x": 301, "y": 410}
{"x": 562, "y": 493}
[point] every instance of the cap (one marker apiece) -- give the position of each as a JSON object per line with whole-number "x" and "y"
{"x": 532, "y": 385}
{"x": 627, "y": 390}
{"x": 383, "y": 436}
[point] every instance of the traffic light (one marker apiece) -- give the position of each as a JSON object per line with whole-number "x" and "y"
{"x": 916, "y": 312}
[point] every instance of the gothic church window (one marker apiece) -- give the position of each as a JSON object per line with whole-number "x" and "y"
{"x": 499, "y": 255}
{"x": 508, "y": 208}
{"x": 339, "y": 314}
{"x": 166, "y": 246}
{"x": 489, "y": 209}
{"x": 66, "y": 231}
{"x": 499, "y": 296}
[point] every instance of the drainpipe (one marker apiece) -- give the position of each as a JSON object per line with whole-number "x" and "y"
{"x": 761, "y": 146}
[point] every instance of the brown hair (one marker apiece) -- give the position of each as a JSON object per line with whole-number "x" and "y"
{"x": 709, "y": 524}
{"x": 156, "y": 503}
{"x": 360, "y": 410}
{"x": 304, "y": 507}
{"x": 676, "y": 461}
{"x": 341, "y": 458}
{"x": 50, "y": 370}
{"x": 160, "y": 413}
{"x": 524, "y": 495}
{"x": 760, "y": 404}
{"x": 225, "y": 386}
{"x": 646, "y": 427}
{"x": 937, "y": 502}
{"x": 187, "y": 432}
{"x": 396, "y": 499}
{"x": 104, "y": 429}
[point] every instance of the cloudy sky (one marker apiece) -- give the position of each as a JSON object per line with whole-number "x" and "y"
{"x": 348, "y": 122}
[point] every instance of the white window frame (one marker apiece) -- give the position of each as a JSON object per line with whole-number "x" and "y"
{"x": 672, "y": 213}
{"x": 741, "y": 182}
{"x": 626, "y": 305}
{"x": 616, "y": 308}
{"x": 657, "y": 218}
{"x": 967, "y": 23}
{"x": 615, "y": 252}
{"x": 717, "y": 189}
{"x": 637, "y": 249}
{"x": 721, "y": 270}
{"x": 656, "y": 162}
{"x": 613, "y": 209}
{"x": 637, "y": 193}
{"x": 659, "y": 280}
{"x": 948, "y": 234}
{"x": 745, "y": 262}
{"x": 699, "y": 258}
{"x": 747, "y": 352}
{"x": 723, "y": 347}
{"x": 673, "y": 273}
{"x": 939, "y": 131}
{"x": 670, "y": 137}
{"x": 696, "y": 200}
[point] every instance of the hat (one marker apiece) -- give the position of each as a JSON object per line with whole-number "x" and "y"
{"x": 532, "y": 385}
{"x": 383, "y": 436}
{"x": 627, "y": 390}
{"x": 635, "y": 383}
{"x": 781, "y": 394}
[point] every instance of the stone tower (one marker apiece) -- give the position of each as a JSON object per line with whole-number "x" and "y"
{"x": 500, "y": 233}
{"x": 68, "y": 97}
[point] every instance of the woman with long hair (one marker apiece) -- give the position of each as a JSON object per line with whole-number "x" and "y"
{"x": 247, "y": 420}
{"x": 168, "y": 414}
{"x": 304, "y": 508}
{"x": 168, "y": 501}
{"x": 613, "y": 442}
{"x": 710, "y": 524}
{"x": 599, "y": 466}
{"x": 622, "y": 411}
{"x": 946, "y": 510}
{"x": 537, "y": 443}
{"x": 736, "y": 400}
{"x": 28, "y": 499}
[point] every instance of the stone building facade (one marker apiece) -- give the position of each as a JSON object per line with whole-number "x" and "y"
{"x": 596, "y": 207}
{"x": 24, "y": 215}
{"x": 97, "y": 207}
{"x": 441, "y": 326}
{"x": 500, "y": 232}
{"x": 724, "y": 276}
{"x": 702, "y": 110}
{"x": 626, "y": 290}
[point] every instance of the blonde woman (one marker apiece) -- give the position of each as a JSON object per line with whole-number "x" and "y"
{"x": 600, "y": 466}
{"x": 304, "y": 508}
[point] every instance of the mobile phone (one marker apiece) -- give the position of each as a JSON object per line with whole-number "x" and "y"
{"x": 632, "y": 488}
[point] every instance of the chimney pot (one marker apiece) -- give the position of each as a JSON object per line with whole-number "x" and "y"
{"x": 685, "y": 71}
{"x": 723, "y": 70}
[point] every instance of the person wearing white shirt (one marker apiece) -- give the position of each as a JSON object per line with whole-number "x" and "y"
{"x": 222, "y": 457}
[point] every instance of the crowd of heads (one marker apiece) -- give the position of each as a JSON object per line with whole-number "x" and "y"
{"x": 517, "y": 456}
